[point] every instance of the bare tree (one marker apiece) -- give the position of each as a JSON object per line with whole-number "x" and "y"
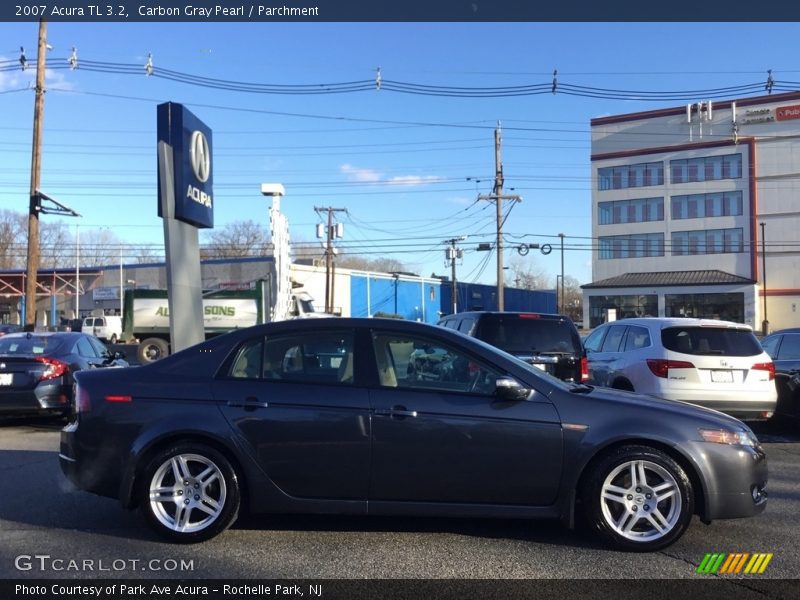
{"x": 56, "y": 245}
{"x": 99, "y": 247}
{"x": 527, "y": 274}
{"x": 237, "y": 239}
{"x": 573, "y": 298}
{"x": 13, "y": 239}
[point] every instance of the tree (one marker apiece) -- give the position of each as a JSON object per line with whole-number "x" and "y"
{"x": 13, "y": 239}
{"x": 237, "y": 239}
{"x": 573, "y": 298}
{"x": 525, "y": 273}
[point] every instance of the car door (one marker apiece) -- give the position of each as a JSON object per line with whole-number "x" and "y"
{"x": 296, "y": 405}
{"x": 784, "y": 349}
{"x": 604, "y": 363}
{"x": 88, "y": 356}
{"x": 441, "y": 435}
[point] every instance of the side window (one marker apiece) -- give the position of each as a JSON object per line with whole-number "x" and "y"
{"x": 790, "y": 348}
{"x": 414, "y": 363}
{"x": 770, "y": 345}
{"x": 99, "y": 348}
{"x": 465, "y": 326}
{"x": 595, "y": 340}
{"x": 321, "y": 357}
{"x": 85, "y": 349}
{"x": 613, "y": 339}
{"x": 638, "y": 337}
{"x": 247, "y": 364}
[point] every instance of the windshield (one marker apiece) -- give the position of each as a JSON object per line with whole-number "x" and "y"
{"x": 519, "y": 334}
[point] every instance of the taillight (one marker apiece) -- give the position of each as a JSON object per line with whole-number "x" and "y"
{"x": 118, "y": 398}
{"x": 767, "y": 366}
{"x": 82, "y": 402}
{"x": 584, "y": 369}
{"x": 55, "y": 368}
{"x": 660, "y": 366}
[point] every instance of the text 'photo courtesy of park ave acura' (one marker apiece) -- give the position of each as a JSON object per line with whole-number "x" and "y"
{"x": 308, "y": 301}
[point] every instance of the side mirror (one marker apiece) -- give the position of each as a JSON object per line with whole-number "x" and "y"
{"x": 119, "y": 355}
{"x": 509, "y": 389}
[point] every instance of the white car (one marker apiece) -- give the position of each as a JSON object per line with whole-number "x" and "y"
{"x": 716, "y": 364}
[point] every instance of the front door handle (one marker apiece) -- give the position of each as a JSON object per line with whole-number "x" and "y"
{"x": 396, "y": 411}
{"x": 251, "y": 403}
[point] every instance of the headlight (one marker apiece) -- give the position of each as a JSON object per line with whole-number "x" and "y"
{"x": 723, "y": 436}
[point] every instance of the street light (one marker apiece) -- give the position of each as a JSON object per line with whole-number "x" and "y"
{"x": 765, "y": 322}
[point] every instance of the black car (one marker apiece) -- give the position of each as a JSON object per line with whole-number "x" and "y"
{"x": 547, "y": 341}
{"x": 6, "y": 328}
{"x": 324, "y": 416}
{"x": 783, "y": 348}
{"x": 36, "y": 369}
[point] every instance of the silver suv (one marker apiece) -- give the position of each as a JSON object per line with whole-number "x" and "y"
{"x": 716, "y": 364}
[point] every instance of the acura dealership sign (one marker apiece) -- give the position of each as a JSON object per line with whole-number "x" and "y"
{"x": 192, "y": 164}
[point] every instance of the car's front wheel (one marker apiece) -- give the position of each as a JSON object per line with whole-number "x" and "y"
{"x": 189, "y": 493}
{"x": 638, "y": 498}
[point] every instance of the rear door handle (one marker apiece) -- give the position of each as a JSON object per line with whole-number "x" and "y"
{"x": 251, "y": 402}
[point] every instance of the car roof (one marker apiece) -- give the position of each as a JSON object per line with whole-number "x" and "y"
{"x": 508, "y": 313}
{"x": 53, "y": 334}
{"x": 664, "y": 322}
{"x": 788, "y": 330}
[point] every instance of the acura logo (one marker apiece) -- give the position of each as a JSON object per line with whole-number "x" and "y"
{"x": 200, "y": 156}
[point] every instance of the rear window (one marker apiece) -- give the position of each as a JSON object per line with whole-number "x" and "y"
{"x": 516, "y": 334}
{"x": 29, "y": 345}
{"x": 710, "y": 341}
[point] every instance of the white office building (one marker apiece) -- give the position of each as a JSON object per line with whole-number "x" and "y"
{"x": 685, "y": 201}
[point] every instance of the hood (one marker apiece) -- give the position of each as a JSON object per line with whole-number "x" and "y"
{"x": 622, "y": 399}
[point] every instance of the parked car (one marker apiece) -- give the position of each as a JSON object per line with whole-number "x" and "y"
{"x": 6, "y": 328}
{"x": 37, "y": 369}
{"x": 258, "y": 418}
{"x": 716, "y": 364}
{"x": 784, "y": 349}
{"x": 547, "y": 341}
{"x": 107, "y": 327}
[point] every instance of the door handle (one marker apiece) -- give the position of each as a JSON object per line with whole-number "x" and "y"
{"x": 396, "y": 411}
{"x": 251, "y": 402}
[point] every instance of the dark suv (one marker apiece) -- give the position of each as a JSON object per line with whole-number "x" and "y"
{"x": 549, "y": 342}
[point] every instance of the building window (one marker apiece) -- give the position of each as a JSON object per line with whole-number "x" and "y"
{"x": 641, "y": 210}
{"x": 708, "y": 168}
{"x": 645, "y": 305}
{"x": 640, "y": 245}
{"x": 630, "y": 176}
{"x": 727, "y": 307}
{"x": 708, "y": 241}
{"x": 693, "y": 206}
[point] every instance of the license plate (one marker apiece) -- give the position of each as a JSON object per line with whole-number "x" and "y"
{"x": 6, "y": 378}
{"x": 722, "y": 376}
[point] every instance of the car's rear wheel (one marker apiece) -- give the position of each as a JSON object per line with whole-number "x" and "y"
{"x": 190, "y": 493}
{"x": 638, "y": 498}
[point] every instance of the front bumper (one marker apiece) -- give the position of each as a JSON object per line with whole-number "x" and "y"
{"x": 736, "y": 480}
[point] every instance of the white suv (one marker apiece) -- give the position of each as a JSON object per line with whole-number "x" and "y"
{"x": 716, "y": 364}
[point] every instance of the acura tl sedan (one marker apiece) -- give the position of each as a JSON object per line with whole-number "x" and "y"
{"x": 325, "y": 416}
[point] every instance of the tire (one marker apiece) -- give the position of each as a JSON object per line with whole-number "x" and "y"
{"x": 637, "y": 515}
{"x": 151, "y": 349}
{"x": 189, "y": 493}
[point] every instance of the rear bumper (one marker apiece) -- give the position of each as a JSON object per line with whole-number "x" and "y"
{"x": 49, "y": 400}
{"x": 84, "y": 467}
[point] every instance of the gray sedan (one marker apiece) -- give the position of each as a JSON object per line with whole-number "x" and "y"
{"x": 324, "y": 416}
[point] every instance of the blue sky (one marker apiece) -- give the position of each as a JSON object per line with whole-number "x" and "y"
{"x": 407, "y": 167}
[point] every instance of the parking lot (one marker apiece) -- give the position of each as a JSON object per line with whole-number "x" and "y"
{"x": 42, "y": 516}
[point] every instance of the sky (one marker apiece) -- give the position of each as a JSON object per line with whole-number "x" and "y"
{"x": 408, "y": 167}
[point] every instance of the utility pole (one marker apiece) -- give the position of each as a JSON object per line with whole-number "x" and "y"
{"x": 497, "y": 196}
{"x": 765, "y": 321}
{"x": 561, "y": 291}
{"x": 452, "y": 254}
{"x": 333, "y": 230}
{"x": 32, "y": 266}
